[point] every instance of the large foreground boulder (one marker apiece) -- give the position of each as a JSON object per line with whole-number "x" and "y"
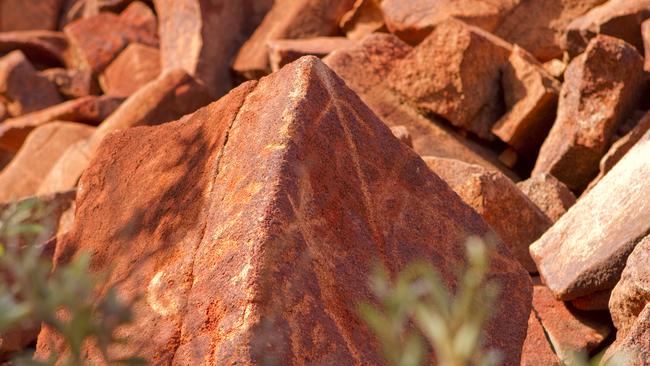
{"x": 262, "y": 218}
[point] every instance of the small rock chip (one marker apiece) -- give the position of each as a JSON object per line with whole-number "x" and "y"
{"x": 284, "y": 51}
{"x": 90, "y": 110}
{"x": 402, "y": 133}
{"x": 514, "y": 217}
{"x": 136, "y": 66}
{"x": 617, "y": 18}
{"x": 289, "y": 19}
{"x": 23, "y": 88}
{"x": 549, "y": 194}
{"x": 72, "y": 83}
{"x": 537, "y": 351}
{"x": 20, "y": 15}
{"x": 42, "y": 148}
{"x": 601, "y": 88}
{"x": 455, "y": 73}
{"x": 585, "y": 251}
{"x": 569, "y": 331}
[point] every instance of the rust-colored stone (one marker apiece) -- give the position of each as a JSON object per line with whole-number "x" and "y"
{"x": 402, "y": 133}
{"x": 22, "y": 177}
{"x": 364, "y": 18}
{"x": 617, "y": 18}
{"x": 549, "y": 194}
{"x": 634, "y": 348}
{"x": 585, "y": 251}
{"x": 97, "y": 40}
{"x": 263, "y": 264}
{"x": 136, "y": 66}
{"x": 170, "y": 96}
{"x": 89, "y": 110}
{"x": 72, "y": 83}
{"x": 20, "y": 15}
{"x": 601, "y": 88}
{"x": 23, "y": 88}
{"x": 537, "y": 351}
{"x": 593, "y": 302}
{"x": 531, "y": 96}
{"x": 366, "y": 66}
{"x": 569, "y": 330}
{"x": 289, "y": 19}
{"x": 514, "y": 217}
{"x": 77, "y": 9}
{"x": 284, "y": 51}
{"x": 46, "y": 47}
{"x": 455, "y": 73}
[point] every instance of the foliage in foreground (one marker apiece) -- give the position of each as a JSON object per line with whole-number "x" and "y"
{"x": 31, "y": 294}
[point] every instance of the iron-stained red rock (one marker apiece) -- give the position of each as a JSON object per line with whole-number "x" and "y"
{"x": 136, "y": 66}
{"x": 46, "y": 47}
{"x": 72, "y": 83}
{"x": 284, "y": 51}
{"x": 20, "y": 15}
{"x": 549, "y": 194}
{"x": 537, "y": 351}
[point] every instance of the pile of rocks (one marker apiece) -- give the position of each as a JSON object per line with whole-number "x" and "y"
{"x": 243, "y": 165}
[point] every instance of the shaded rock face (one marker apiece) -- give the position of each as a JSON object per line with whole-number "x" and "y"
{"x": 273, "y": 248}
{"x": 549, "y": 194}
{"x": 72, "y": 83}
{"x": 47, "y": 46}
{"x": 601, "y": 88}
{"x": 585, "y": 251}
{"x": 632, "y": 293}
{"x": 515, "y": 218}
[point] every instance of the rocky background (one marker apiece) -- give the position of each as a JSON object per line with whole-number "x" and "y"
{"x": 245, "y": 192}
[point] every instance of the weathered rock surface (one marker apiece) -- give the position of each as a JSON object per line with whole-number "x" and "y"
{"x": 365, "y": 68}
{"x": 72, "y": 83}
{"x": 514, "y": 217}
{"x": 585, "y": 251}
{"x": 593, "y": 302}
{"x": 260, "y": 257}
{"x": 537, "y": 351}
{"x": 632, "y": 292}
{"x": 617, "y": 18}
{"x": 549, "y": 194}
{"x": 635, "y": 347}
{"x": 601, "y": 88}
{"x": 22, "y": 177}
{"x": 363, "y": 19}
{"x": 89, "y": 110}
{"x": 169, "y": 97}
{"x": 22, "y": 87}
{"x": 455, "y": 73}
{"x": 531, "y": 96}
{"x": 203, "y": 37}
{"x": 136, "y": 66}
{"x": 568, "y": 330}
{"x": 19, "y": 15}
{"x": 284, "y": 51}
{"x": 96, "y": 41}
{"x": 289, "y": 19}
{"x": 48, "y": 47}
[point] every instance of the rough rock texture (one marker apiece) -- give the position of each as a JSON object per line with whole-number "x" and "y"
{"x": 261, "y": 267}
{"x": 632, "y": 292}
{"x": 22, "y": 87}
{"x": 568, "y": 330}
{"x": 514, "y": 217}
{"x": 549, "y": 194}
{"x": 455, "y": 73}
{"x": 617, "y": 18}
{"x": 537, "y": 351}
{"x": 284, "y": 51}
{"x": 531, "y": 96}
{"x": 366, "y": 66}
{"x": 72, "y": 83}
{"x": 601, "y": 88}
{"x": 363, "y": 19}
{"x": 97, "y": 40}
{"x": 89, "y": 110}
{"x": 18, "y": 15}
{"x": 289, "y": 19}
{"x": 170, "y": 96}
{"x": 635, "y": 347}
{"x": 585, "y": 251}
{"x": 203, "y": 37}
{"x": 42, "y": 148}
{"x": 538, "y": 26}
{"x": 46, "y": 46}
{"x": 136, "y": 66}
{"x": 413, "y": 20}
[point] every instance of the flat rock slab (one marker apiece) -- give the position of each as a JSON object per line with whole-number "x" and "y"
{"x": 137, "y": 65}
{"x": 601, "y": 89}
{"x": 537, "y": 350}
{"x": 514, "y": 217}
{"x": 585, "y": 251}
{"x": 263, "y": 217}
{"x": 549, "y": 194}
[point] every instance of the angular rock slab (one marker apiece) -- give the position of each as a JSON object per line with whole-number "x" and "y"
{"x": 455, "y": 73}
{"x": 285, "y": 51}
{"x": 514, "y": 217}
{"x": 72, "y": 83}
{"x": 234, "y": 243}
{"x": 601, "y": 88}
{"x": 585, "y": 251}
{"x": 21, "y": 15}
{"x": 549, "y": 194}
{"x": 136, "y": 66}
{"x": 537, "y": 351}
